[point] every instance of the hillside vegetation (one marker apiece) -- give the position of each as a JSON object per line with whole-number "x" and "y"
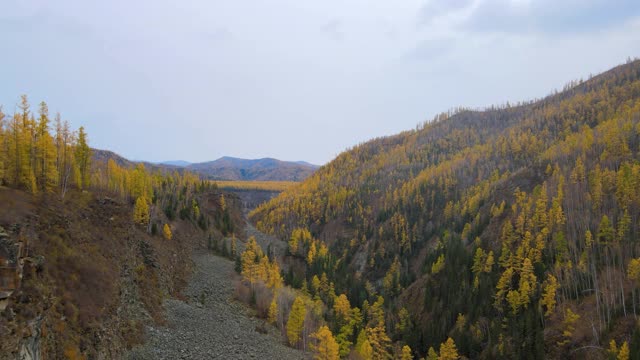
{"x": 88, "y": 249}
{"x": 511, "y": 232}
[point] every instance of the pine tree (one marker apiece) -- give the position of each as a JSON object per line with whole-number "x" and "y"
{"x": 326, "y": 347}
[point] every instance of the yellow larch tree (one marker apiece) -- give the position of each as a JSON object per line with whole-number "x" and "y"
{"x": 432, "y": 354}
{"x": 311, "y": 256}
{"x": 295, "y": 322}
{"x": 274, "y": 278}
{"x": 141, "y": 211}
{"x": 380, "y": 342}
{"x": 438, "y": 265}
{"x": 448, "y": 350}
{"x": 568, "y": 323}
{"x": 3, "y": 155}
{"x": 623, "y": 353}
{"x": 549, "y": 294}
{"x": 341, "y": 308}
{"x": 166, "y": 230}
{"x": 406, "y": 353}
{"x": 273, "y": 311}
{"x": 82, "y": 156}
{"x": 45, "y": 158}
{"x": 326, "y": 347}
{"x": 527, "y": 283}
{"x": 248, "y": 259}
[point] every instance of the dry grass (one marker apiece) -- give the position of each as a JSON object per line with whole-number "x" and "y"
{"x": 255, "y": 185}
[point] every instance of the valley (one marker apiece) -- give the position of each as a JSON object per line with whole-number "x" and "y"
{"x": 209, "y": 323}
{"x": 506, "y": 232}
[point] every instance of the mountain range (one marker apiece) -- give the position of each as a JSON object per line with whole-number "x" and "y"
{"x": 225, "y": 168}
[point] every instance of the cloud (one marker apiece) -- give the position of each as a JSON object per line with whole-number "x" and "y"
{"x": 436, "y": 8}
{"x": 549, "y": 16}
{"x": 431, "y": 49}
{"x": 333, "y": 29}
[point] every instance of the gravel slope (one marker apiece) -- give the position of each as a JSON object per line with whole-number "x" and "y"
{"x": 267, "y": 242}
{"x": 210, "y": 324}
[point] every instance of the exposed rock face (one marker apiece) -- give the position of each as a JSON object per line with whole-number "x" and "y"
{"x": 30, "y": 348}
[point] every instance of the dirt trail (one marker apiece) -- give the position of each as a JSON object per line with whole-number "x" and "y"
{"x": 210, "y": 324}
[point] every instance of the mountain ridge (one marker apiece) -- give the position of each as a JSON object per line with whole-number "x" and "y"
{"x": 482, "y": 222}
{"x": 224, "y": 168}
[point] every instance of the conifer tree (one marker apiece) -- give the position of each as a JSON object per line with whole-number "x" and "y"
{"x": 273, "y": 311}
{"x": 406, "y": 353}
{"x": 549, "y": 295}
{"x": 3, "y": 152}
{"x": 141, "y": 211}
{"x": 432, "y": 354}
{"x": 166, "y": 230}
{"x": 623, "y": 353}
{"x": 82, "y": 158}
{"x": 295, "y": 323}
{"x": 326, "y": 347}
{"x": 448, "y": 350}
{"x": 45, "y": 157}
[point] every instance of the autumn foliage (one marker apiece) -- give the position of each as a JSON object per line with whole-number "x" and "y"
{"x": 511, "y": 216}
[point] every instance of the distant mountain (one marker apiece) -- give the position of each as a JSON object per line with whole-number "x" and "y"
{"x": 180, "y": 163}
{"x": 266, "y": 169}
{"x": 102, "y": 156}
{"x": 225, "y": 168}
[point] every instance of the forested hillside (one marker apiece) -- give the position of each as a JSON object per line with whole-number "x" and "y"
{"x": 511, "y": 232}
{"x": 89, "y": 249}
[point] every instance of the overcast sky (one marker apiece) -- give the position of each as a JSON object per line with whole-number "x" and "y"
{"x": 293, "y": 79}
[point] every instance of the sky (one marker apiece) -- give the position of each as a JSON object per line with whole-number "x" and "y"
{"x": 295, "y": 80}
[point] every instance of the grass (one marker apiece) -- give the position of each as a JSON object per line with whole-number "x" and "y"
{"x": 255, "y": 185}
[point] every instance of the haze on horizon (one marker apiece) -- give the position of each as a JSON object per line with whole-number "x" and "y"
{"x": 293, "y": 80}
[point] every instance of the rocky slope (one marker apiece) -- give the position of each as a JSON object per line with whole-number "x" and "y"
{"x": 208, "y": 323}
